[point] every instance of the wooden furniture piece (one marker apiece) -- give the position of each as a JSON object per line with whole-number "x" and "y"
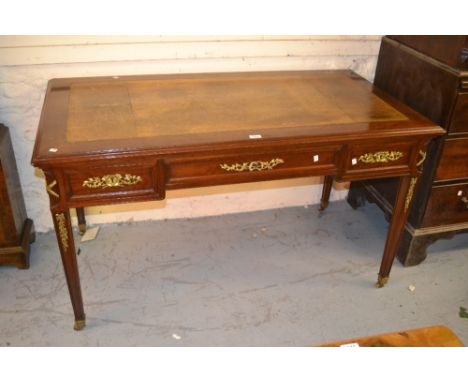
{"x": 16, "y": 230}
{"x": 435, "y": 336}
{"x": 124, "y": 139}
{"x": 430, "y": 74}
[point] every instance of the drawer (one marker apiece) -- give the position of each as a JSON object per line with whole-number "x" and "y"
{"x": 459, "y": 121}
{"x": 121, "y": 181}
{"x": 447, "y": 205}
{"x": 453, "y": 163}
{"x": 372, "y": 160}
{"x": 251, "y": 167}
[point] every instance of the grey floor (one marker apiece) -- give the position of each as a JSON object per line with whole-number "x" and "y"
{"x": 286, "y": 277}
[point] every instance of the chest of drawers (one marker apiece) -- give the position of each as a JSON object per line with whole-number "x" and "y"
{"x": 429, "y": 74}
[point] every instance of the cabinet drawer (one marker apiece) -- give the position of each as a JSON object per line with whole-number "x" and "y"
{"x": 125, "y": 181}
{"x": 459, "y": 122}
{"x": 447, "y": 205}
{"x": 250, "y": 166}
{"x": 453, "y": 162}
{"x": 380, "y": 160}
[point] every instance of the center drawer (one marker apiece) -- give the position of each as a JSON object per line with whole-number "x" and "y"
{"x": 251, "y": 166}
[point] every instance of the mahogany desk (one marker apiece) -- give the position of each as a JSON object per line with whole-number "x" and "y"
{"x": 113, "y": 140}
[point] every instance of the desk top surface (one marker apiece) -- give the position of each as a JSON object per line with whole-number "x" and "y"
{"x": 121, "y": 114}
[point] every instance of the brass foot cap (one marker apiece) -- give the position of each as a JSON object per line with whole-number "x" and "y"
{"x": 79, "y": 324}
{"x": 82, "y": 228}
{"x": 381, "y": 281}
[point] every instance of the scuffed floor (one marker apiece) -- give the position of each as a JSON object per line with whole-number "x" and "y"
{"x": 286, "y": 277}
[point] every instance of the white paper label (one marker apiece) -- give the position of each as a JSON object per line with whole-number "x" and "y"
{"x": 53, "y": 150}
{"x": 460, "y": 193}
{"x": 316, "y": 158}
{"x": 353, "y": 161}
{"x": 90, "y": 234}
{"x": 255, "y": 136}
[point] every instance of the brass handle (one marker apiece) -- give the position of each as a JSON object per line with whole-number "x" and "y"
{"x": 252, "y": 166}
{"x": 465, "y": 202}
{"x": 381, "y": 157}
{"x": 114, "y": 180}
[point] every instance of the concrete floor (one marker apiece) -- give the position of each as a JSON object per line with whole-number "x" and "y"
{"x": 284, "y": 277}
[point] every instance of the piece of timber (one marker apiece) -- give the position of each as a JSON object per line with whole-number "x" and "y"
{"x": 435, "y": 336}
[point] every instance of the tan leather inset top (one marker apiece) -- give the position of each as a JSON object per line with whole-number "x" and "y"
{"x": 150, "y": 108}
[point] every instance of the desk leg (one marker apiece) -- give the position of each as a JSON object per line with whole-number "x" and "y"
{"x": 81, "y": 220}
{"x": 397, "y": 224}
{"x": 63, "y": 229}
{"x": 327, "y": 186}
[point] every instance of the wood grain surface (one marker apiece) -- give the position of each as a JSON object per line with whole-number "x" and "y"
{"x": 435, "y": 336}
{"x": 151, "y": 108}
{"x": 106, "y": 115}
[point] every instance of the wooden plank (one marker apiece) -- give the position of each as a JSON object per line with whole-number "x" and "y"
{"x": 435, "y": 336}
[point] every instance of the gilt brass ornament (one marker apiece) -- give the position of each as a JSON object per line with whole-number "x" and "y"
{"x": 381, "y": 157}
{"x": 252, "y": 166}
{"x": 115, "y": 180}
{"x": 62, "y": 230}
{"x": 409, "y": 195}
{"x": 50, "y": 190}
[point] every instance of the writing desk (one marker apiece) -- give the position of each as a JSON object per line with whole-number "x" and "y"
{"x": 109, "y": 140}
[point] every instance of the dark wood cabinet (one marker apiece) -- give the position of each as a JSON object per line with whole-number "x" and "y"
{"x": 16, "y": 230}
{"x": 429, "y": 74}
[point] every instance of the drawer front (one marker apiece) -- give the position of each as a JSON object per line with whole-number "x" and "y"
{"x": 447, "y": 205}
{"x": 372, "y": 160}
{"x": 459, "y": 122}
{"x": 124, "y": 181}
{"x": 453, "y": 162}
{"x": 250, "y": 167}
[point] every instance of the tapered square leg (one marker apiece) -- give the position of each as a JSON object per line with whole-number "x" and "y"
{"x": 81, "y": 220}
{"x": 327, "y": 186}
{"x": 397, "y": 224}
{"x": 63, "y": 229}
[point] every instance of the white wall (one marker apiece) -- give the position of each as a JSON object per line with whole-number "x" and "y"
{"x": 28, "y": 62}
